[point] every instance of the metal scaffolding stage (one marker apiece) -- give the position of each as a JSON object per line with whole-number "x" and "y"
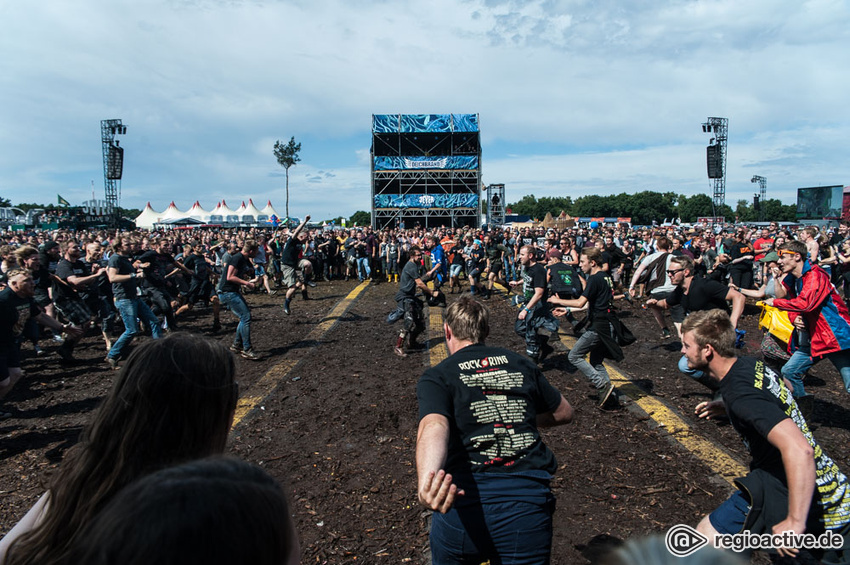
{"x": 425, "y": 170}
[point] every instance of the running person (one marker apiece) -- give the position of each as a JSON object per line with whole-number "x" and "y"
{"x": 230, "y": 295}
{"x": 292, "y": 262}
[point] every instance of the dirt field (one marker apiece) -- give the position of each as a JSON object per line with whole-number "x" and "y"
{"x": 339, "y": 430}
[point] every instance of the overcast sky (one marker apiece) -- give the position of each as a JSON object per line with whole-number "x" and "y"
{"x": 574, "y": 97}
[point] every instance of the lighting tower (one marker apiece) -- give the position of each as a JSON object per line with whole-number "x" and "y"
{"x": 716, "y": 159}
{"x": 761, "y": 195}
{"x": 113, "y": 164}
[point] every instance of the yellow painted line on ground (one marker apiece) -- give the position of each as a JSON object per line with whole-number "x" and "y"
{"x": 717, "y": 458}
{"x": 439, "y": 352}
{"x": 260, "y": 390}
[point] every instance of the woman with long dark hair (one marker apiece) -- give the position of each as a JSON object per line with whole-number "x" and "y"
{"x": 172, "y": 402}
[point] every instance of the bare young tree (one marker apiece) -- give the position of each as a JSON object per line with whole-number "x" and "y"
{"x": 287, "y": 155}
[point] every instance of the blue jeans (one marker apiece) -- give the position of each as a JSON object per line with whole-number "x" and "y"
{"x": 800, "y": 362}
{"x": 132, "y": 309}
{"x": 363, "y": 269}
{"x": 595, "y": 370}
{"x": 512, "y": 532}
{"x": 235, "y": 302}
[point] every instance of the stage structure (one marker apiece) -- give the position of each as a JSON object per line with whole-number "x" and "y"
{"x": 113, "y": 164}
{"x": 495, "y": 205}
{"x": 759, "y": 198}
{"x": 716, "y": 159}
{"x": 426, "y": 170}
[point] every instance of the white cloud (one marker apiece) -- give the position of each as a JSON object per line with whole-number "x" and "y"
{"x": 588, "y": 95}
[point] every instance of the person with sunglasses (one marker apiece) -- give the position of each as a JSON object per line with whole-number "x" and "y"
{"x": 696, "y": 294}
{"x": 818, "y": 313}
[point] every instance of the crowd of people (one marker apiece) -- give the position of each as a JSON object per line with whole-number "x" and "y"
{"x": 481, "y": 463}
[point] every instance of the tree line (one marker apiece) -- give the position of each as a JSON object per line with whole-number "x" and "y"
{"x": 648, "y": 206}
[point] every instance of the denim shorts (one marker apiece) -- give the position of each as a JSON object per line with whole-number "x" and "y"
{"x": 730, "y": 516}
{"x": 512, "y": 531}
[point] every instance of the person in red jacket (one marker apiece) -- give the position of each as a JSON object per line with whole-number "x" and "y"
{"x": 819, "y": 315}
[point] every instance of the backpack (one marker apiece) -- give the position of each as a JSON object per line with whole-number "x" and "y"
{"x": 653, "y": 275}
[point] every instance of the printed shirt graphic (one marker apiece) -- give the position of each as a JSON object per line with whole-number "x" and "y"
{"x": 15, "y": 311}
{"x": 491, "y": 397}
{"x": 757, "y": 400}
{"x": 533, "y": 277}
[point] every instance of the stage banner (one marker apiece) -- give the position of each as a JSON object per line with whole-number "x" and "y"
{"x": 458, "y": 163}
{"x": 414, "y": 123}
{"x": 426, "y": 201}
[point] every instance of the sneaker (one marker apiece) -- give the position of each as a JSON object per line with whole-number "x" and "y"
{"x": 216, "y": 326}
{"x": 236, "y": 348}
{"x": 545, "y": 351}
{"x": 665, "y": 333}
{"x": 38, "y": 351}
{"x": 605, "y": 393}
{"x": 66, "y": 355}
{"x": 311, "y": 284}
{"x": 250, "y": 354}
{"x": 272, "y": 292}
{"x": 286, "y": 309}
{"x": 399, "y": 351}
{"x": 5, "y": 415}
{"x": 112, "y": 362}
{"x": 58, "y": 339}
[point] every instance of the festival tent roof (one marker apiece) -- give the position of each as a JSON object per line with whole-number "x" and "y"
{"x": 241, "y": 209}
{"x": 227, "y": 214}
{"x": 269, "y": 210}
{"x": 172, "y": 213}
{"x": 148, "y": 217}
{"x": 198, "y": 213}
{"x": 250, "y": 214}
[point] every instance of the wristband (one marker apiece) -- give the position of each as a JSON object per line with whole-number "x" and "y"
{"x": 133, "y": 275}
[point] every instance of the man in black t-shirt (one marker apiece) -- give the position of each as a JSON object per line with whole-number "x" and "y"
{"x": 411, "y": 281}
{"x": 73, "y": 277}
{"x": 98, "y": 296}
{"x": 292, "y": 263}
{"x": 697, "y": 294}
{"x": 17, "y": 306}
{"x": 482, "y": 466}
{"x": 235, "y": 274}
{"x": 792, "y": 486}
{"x": 124, "y": 278}
{"x": 535, "y": 313}
{"x": 600, "y": 338}
{"x": 200, "y": 285}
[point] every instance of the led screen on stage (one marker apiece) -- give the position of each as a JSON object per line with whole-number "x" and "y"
{"x": 414, "y": 123}
{"x": 820, "y": 202}
{"x": 426, "y": 201}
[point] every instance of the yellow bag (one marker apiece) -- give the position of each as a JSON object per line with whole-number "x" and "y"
{"x": 775, "y": 321}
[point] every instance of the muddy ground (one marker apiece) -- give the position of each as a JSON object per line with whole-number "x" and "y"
{"x": 339, "y": 430}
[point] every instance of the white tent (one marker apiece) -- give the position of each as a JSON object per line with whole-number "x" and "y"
{"x": 250, "y": 215}
{"x": 198, "y": 213}
{"x": 267, "y": 212}
{"x": 148, "y": 217}
{"x": 227, "y": 214}
{"x": 216, "y": 215}
{"x": 172, "y": 213}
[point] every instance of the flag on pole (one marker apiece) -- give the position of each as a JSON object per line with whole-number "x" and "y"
{"x": 62, "y": 201}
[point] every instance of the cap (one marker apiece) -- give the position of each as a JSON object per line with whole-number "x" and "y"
{"x": 554, "y": 254}
{"x": 49, "y": 244}
{"x": 770, "y": 257}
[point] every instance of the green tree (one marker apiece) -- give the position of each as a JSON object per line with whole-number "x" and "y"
{"x": 360, "y": 218}
{"x": 693, "y": 207}
{"x": 287, "y": 156}
{"x": 5, "y": 202}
